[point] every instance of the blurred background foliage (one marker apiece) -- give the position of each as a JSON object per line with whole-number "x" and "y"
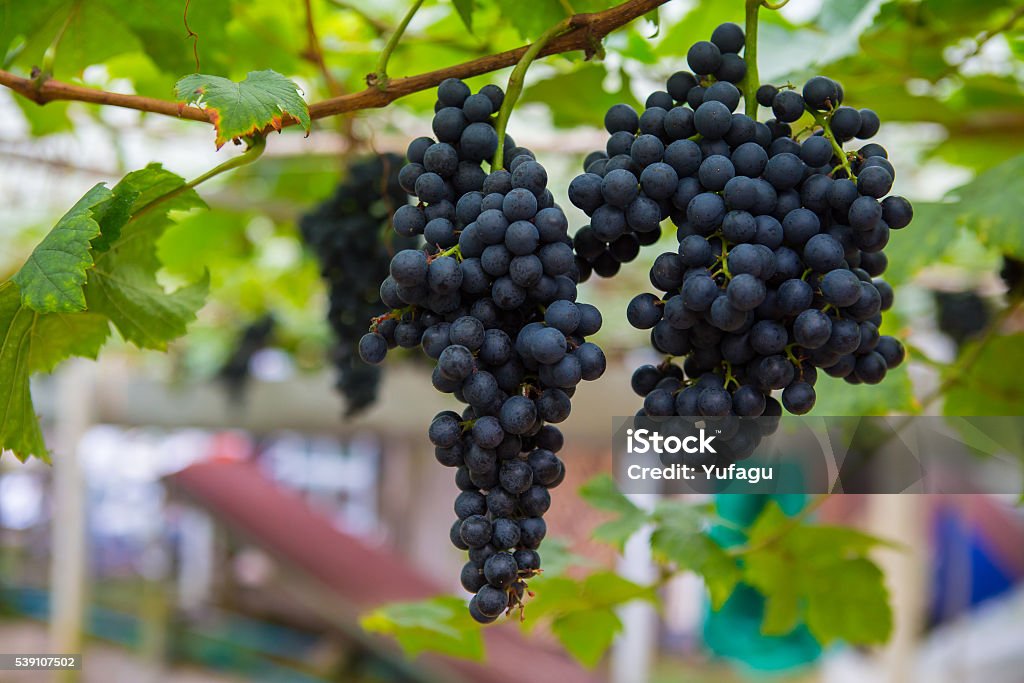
{"x": 944, "y": 75}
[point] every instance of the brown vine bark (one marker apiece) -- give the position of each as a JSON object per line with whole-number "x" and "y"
{"x": 586, "y": 33}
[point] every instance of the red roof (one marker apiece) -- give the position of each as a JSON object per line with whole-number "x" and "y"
{"x": 361, "y": 575}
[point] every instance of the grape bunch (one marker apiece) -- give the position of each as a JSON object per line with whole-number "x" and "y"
{"x": 345, "y": 233}
{"x": 961, "y": 316}
{"x": 780, "y": 239}
{"x": 1012, "y": 274}
{"x": 492, "y": 299}
{"x": 255, "y": 337}
{"x": 647, "y": 172}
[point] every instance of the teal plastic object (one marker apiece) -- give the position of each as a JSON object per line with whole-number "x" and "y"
{"x": 734, "y": 632}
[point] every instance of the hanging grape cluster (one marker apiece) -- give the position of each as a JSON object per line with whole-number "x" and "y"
{"x": 780, "y": 238}
{"x": 346, "y": 233}
{"x": 492, "y": 299}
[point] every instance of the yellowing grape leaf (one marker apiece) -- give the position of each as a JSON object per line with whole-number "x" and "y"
{"x": 242, "y": 109}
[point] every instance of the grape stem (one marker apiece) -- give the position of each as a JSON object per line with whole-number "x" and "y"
{"x": 750, "y": 82}
{"x": 379, "y": 77}
{"x": 257, "y": 144}
{"x": 455, "y": 251}
{"x": 792, "y": 356}
{"x": 515, "y": 85}
{"x": 393, "y": 314}
{"x": 844, "y": 161}
{"x": 729, "y": 377}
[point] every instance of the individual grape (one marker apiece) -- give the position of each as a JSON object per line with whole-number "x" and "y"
{"x": 745, "y": 292}
{"x": 784, "y": 171}
{"x": 816, "y": 151}
{"x": 728, "y": 38}
{"x": 724, "y": 92}
{"x": 869, "y": 124}
{"x": 621, "y": 118}
{"x": 678, "y": 123}
{"x": 644, "y": 311}
{"x": 798, "y": 398}
{"x": 646, "y": 150}
{"x": 715, "y": 171}
{"x": 732, "y": 69}
{"x": 821, "y": 93}
{"x": 704, "y": 57}
{"x": 845, "y": 123}
{"x": 766, "y": 94}
{"x": 874, "y": 181}
{"x": 788, "y": 106}
{"x": 712, "y": 119}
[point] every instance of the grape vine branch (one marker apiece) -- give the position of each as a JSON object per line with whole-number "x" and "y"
{"x": 583, "y": 32}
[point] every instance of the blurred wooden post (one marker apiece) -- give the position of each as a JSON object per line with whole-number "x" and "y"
{"x": 636, "y": 647}
{"x": 68, "y": 560}
{"x": 903, "y": 519}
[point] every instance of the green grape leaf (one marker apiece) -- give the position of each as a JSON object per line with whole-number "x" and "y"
{"x": 542, "y": 15}
{"x": 242, "y": 109}
{"x": 149, "y": 22}
{"x": 819, "y": 574}
{"x": 465, "y": 9}
{"x": 837, "y": 398}
{"x": 60, "y": 335}
{"x": 680, "y": 538}
{"x": 54, "y": 274}
{"x": 922, "y": 243}
{"x": 848, "y": 601}
{"x": 582, "y": 613}
{"x": 123, "y": 284}
{"x": 587, "y": 635}
{"x": 92, "y": 32}
{"x": 992, "y": 205}
{"x": 986, "y": 388}
{"x": 34, "y": 342}
{"x": 438, "y": 625}
{"x": 558, "y": 557}
{"x": 601, "y": 493}
{"x": 586, "y": 82}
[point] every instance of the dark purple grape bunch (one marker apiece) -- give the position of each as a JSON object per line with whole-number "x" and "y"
{"x": 344, "y": 232}
{"x": 1012, "y": 274}
{"x": 780, "y": 244}
{"x": 645, "y": 174}
{"x": 492, "y": 299}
